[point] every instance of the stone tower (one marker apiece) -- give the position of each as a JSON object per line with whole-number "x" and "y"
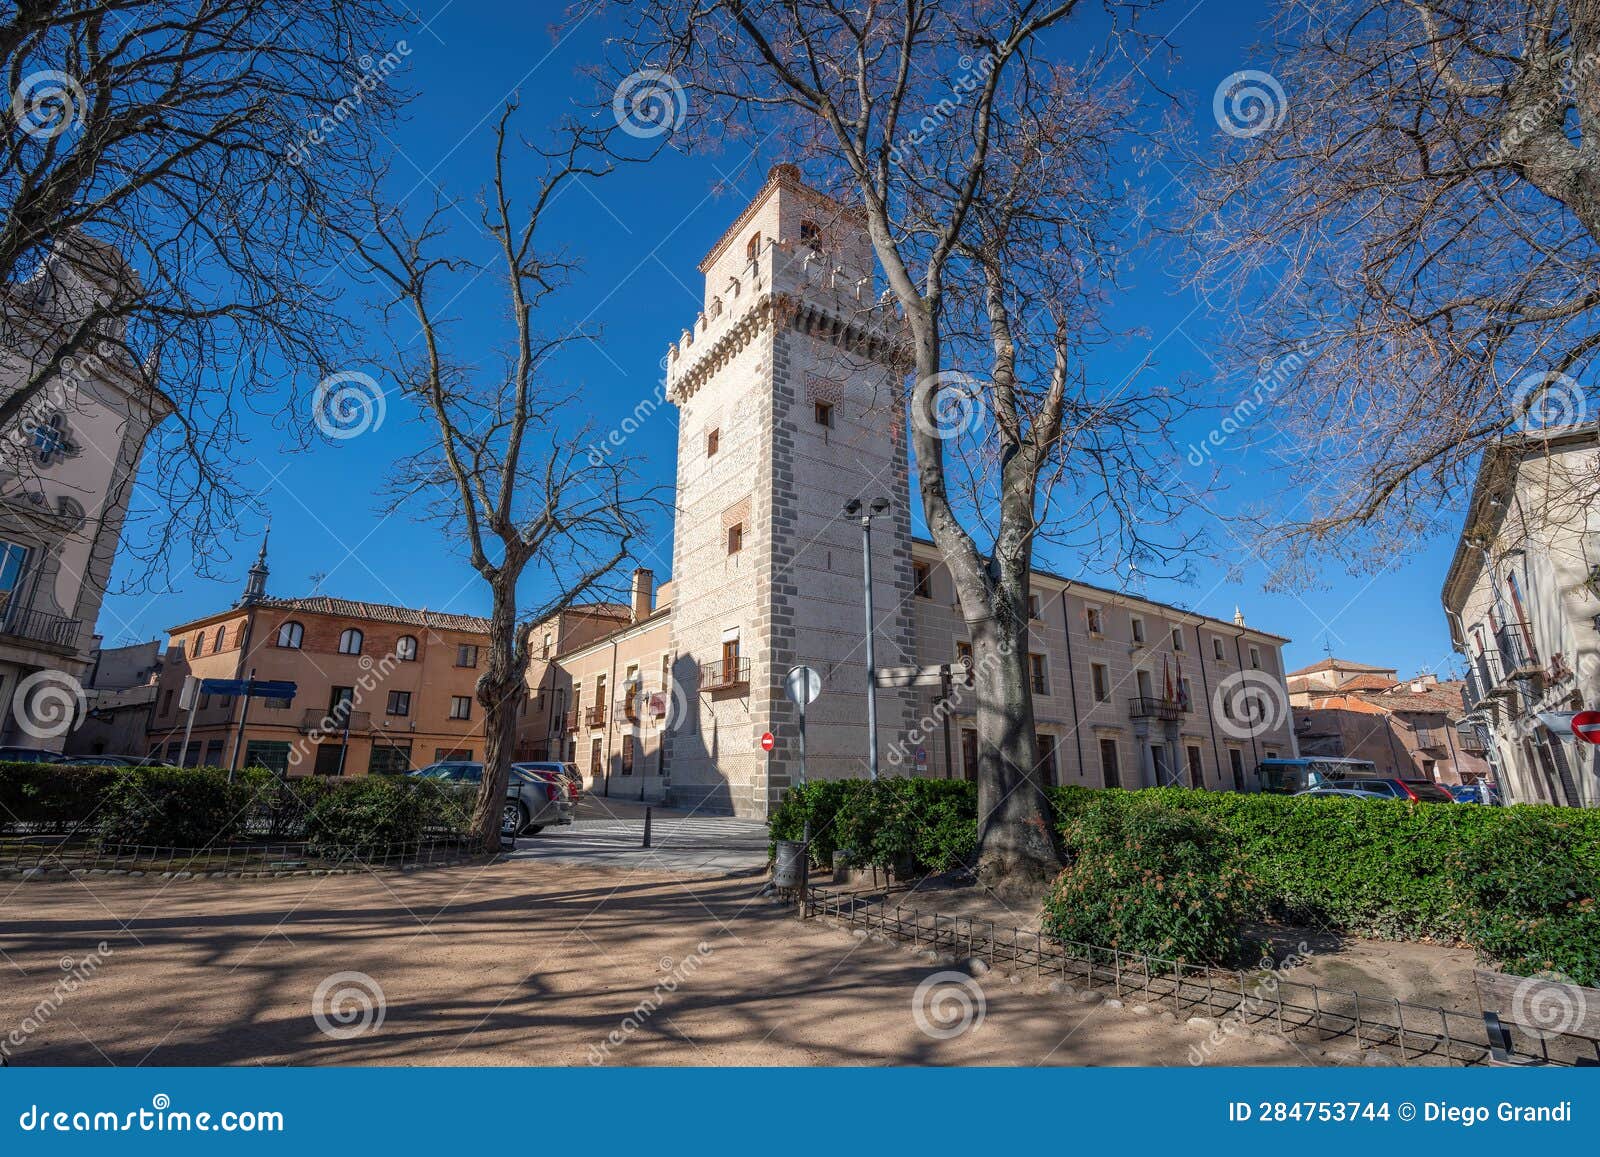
{"x": 789, "y": 407}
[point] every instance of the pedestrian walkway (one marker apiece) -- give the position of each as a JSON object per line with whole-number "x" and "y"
{"x": 610, "y": 833}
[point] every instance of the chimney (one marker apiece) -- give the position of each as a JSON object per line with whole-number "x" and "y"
{"x": 644, "y": 593}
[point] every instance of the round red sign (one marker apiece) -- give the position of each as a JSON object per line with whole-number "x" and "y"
{"x": 1586, "y": 726}
{"x": 768, "y": 743}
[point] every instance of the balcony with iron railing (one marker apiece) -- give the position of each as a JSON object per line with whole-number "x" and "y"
{"x": 332, "y": 722}
{"x": 1472, "y": 740}
{"x": 595, "y": 716}
{"x": 1149, "y": 707}
{"x": 1518, "y": 658}
{"x": 38, "y": 627}
{"x": 724, "y": 674}
{"x": 1431, "y": 738}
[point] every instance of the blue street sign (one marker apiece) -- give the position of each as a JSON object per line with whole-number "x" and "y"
{"x": 257, "y": 688}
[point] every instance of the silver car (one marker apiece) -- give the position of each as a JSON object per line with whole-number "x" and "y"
{"x": 533, "y": 802}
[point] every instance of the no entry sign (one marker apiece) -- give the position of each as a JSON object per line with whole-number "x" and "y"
{"x": 768, "y": 743}
{"x": 1586, "y": 726}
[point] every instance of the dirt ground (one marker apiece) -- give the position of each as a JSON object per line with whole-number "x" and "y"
{"x": 518, "y": 963}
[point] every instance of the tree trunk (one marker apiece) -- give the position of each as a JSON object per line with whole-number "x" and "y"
{"x": 500, "y": 690}
{"x": 1018, "y": 847}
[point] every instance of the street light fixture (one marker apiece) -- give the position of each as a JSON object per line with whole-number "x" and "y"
{"x": 866, "y": 512}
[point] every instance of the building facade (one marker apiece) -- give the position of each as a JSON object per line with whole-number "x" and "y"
{"x": 789, "y": 407}
{"x": 65, "y": 475}
{"x": 378, "y": 688}
{"x": 1416, "y": 729}
{"x": 1522, "y": 599}
{"x": 119, "y": 696}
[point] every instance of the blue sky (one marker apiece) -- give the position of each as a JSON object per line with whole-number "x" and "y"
{"x": 640, "y": 234}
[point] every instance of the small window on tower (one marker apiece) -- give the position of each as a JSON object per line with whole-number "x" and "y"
{"x": 735, "y": 538}
{"x": 752, "y": 248}
{"x": 713, "y": 438}
{"x": 824, "y": 414}
{"x": 810, "y": 234}
{"x": 922, "y": 580}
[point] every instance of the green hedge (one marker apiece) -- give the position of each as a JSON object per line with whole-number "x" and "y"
{"x": 200, "y": 807}
{"x": 1152, "y": 879}
{"x": 1518, "y": 883}
{"x": 904, "y": 824}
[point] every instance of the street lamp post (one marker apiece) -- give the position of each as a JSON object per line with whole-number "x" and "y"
{"x": 866, "y": 512}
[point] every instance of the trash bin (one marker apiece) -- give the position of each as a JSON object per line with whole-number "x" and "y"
{"x": 789, "y": 864}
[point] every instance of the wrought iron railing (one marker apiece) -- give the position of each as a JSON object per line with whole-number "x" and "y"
{"x": 52, "y": 630}
{"x": 724, "y": 673}
{"x": 1148, "y": 707}
{"x": 595, "y": 716}
{"x": 1517, "y": 654}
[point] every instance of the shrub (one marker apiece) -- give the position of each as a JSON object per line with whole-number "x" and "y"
{"x": 374, "y": 815}
{"x": 176, "y": 807}
{"x": 1146, "y": 878}
{"x": 1528, "y": 890}
{"x": 51, "y": 795}
{"x": 927, "y": 825}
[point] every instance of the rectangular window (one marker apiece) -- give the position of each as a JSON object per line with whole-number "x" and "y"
{"x": 823, "y": 412}
{"x": 1034, "y": 608}
{"x": 922, "y": 580}
{"x": 1255, "y": 658}
{"x": 390, "y": 758}
{"x": 1091, "y": 616}
{"x": 1138, "y": 629}
{"x": 467, "y": 655}
{"x": 1101, "y": 680}
{"x": 1236, "y": 767}
{"x": 341, "y": 701}
{"x": 544, "y": 651}
{"x": 964, "y": 655}
{"x": 736, "y": 538}
{"x": 1039, "y": 675}
{"x": 213, "y": 753}
{"x": 1047, "y": 757}
{"x": 713, "y": 439}
{"x": 1217, "y": 652}
{"x": 330, "y": 758}
{"x": 627, "y": 755}
{"x": 969, "y": 754}
{"x": 461, "y": 707}
{"x": 1177, "y": 639}
{"x": 166, "y": 702}
{"x": 1110, "y": 773}
{"x": 1197, "y": 777}
{"x": 267, "y": 753}
{"x": 13, "y": 562}
{"x": 594, "y": 758}
{"x": 399, "y": 703}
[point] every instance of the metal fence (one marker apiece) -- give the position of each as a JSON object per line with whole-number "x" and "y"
{"x": 270, "y": 858}
{"x": 1407, "y": 1033}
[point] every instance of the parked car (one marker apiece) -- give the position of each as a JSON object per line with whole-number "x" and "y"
{"x": 110, "y": 761}
{"x": 1348, "y": 792}
{"x": 533, "y": 802}
{"x": 1473, "y": 793}
{"x": 1415, "y": 790}
{"x": 28, "y": 755}
{"x": 566, "y": 772}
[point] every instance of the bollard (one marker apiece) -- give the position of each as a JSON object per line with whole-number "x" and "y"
{"x": 647, "y": 827}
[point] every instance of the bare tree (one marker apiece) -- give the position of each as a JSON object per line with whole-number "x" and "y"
{"x": 1402, "y": 222}
{"x": 980, "y": 161}
{"x": 504, "y": 470}
{"x": 183, "y": 159}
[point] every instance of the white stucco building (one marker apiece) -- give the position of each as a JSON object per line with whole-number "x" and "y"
{"x": 1522, "y": 597}
{"x": 65, "y": 474}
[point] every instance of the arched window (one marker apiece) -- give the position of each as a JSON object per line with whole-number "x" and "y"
{"x": 290, "y": 635}
{"x": 752, "y": 248}
{"x": 405, "y": 648}
{"x": 350, "y": 641}
{"x": 200, "y": 644}
{"x": 222, "y": 637}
